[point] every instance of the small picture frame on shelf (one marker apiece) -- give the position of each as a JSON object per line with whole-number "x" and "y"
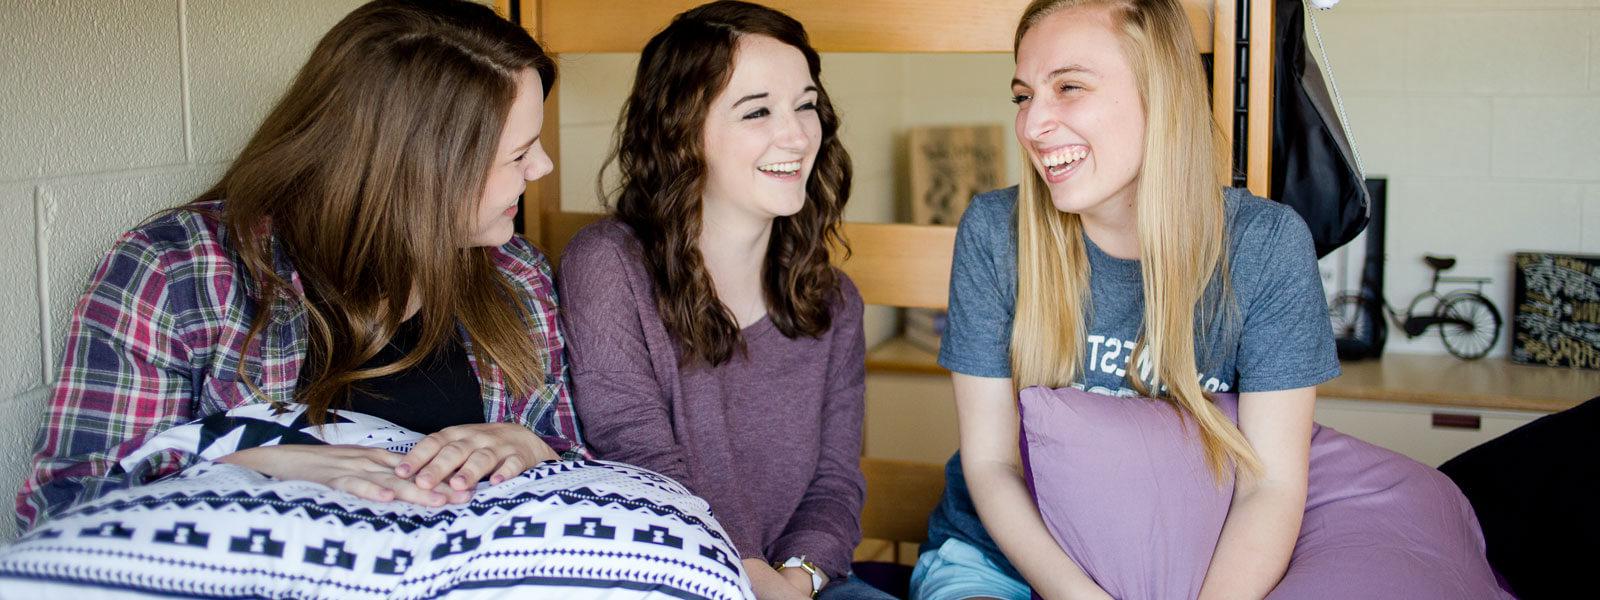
{"x": 949, "y": 165}
{"x": 1556, "y": 310}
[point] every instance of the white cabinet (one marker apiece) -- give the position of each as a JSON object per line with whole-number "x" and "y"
{"x": 1390, "y": 403}
{"x": 1410, "y": 428}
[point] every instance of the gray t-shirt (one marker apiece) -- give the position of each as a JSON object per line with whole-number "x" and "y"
{"x": 1275, "y": 337}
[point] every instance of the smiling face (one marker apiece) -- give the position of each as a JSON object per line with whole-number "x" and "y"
{"x": 1080, "y": 117}
{"x": 762, "y": 133}
{"x": 519, "y": 158}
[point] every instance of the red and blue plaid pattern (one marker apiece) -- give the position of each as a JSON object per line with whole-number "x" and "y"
{"x": 157, "y": 341}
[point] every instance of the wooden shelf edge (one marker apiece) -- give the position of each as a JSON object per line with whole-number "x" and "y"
{"x": 1436, "y": 381}
{"x": 898, "y": 355}
{"x": 1437, "y": 400}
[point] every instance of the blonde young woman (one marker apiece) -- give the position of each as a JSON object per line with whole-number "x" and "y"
{"x": 1122, "y": 268}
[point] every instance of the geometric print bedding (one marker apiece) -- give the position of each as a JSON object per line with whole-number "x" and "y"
{"x": 575, "y": 529}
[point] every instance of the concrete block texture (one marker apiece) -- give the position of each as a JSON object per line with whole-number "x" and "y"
{"x": 1594, "y": 50}
{"x": 1448, "y": 136}
{"x": 873, "y": 200}
{"x": 20, "y": 415}
{"x": 1365, "y": 46}
{"x": 1480, "y": 219}
{"x": 1500, "y": 52}
{"x": 242, "y": 56}
{"x": 89, "y": 87}
{"x": 1455, "y": 4}
{"x": 592, "y": 87}
{"x": 1547, "y": 138}
{"x": 866, "y": 90}
{"x": 932, "y": 76}
{"x": 583, "y": 150}
{"x": 80, "y": 220}
{"x": 1379, "y": 131}
{"x": 21, "y": 362}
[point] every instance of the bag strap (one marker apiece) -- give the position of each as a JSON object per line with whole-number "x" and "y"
{"x": 1333, "y": 86}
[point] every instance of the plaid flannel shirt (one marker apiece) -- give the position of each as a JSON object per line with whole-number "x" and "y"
{"x": 157, "y": 341}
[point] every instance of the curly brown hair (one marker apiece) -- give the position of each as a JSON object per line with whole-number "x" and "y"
{"x": 660, "y": 157}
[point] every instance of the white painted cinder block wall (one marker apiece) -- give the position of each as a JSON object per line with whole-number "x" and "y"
{"x": 1485, "y": 117}
{"x": 110, "y": 110}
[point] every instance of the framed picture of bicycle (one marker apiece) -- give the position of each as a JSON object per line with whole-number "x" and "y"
{"x": 1557, "y": 308}
{"x": 1453, "y": 307}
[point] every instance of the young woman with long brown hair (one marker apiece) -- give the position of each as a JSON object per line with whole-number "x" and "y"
{"x": 711, "y": 339}
{"x": 1120, "y": 277}
{"x": 357, "y": 255}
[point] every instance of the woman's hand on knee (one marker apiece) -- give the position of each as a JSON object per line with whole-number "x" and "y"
{"x": 367, "y": 473}
{"x": 463, "y": 455}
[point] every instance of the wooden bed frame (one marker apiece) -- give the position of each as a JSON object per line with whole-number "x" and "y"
{"x": 892, "y": 264}
{"x": 906, "y": 26}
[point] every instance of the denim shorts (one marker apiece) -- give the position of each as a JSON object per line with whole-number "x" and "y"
{"x": 959, "y": 570}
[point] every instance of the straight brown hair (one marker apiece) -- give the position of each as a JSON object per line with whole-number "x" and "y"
{"x": 661, "y": 162}
{"x": 366, "y": 174}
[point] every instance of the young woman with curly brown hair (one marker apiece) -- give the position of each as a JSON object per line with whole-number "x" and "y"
{"x": 710, "y": 337}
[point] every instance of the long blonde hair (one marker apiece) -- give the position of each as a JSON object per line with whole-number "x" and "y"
{"x": 1181, "y": 228}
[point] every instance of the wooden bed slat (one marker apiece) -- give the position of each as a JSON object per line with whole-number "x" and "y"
{"x": 900, "y": 496}
{"x": 834, "y": 25}
{"x": 1258, "y": 160}
{"x": 1222, "y": 75}
{"x": 893, "y": 264}
{"x": 542, "y": 197}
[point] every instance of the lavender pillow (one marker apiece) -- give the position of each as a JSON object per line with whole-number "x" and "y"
{"x": 1124, "y": 488}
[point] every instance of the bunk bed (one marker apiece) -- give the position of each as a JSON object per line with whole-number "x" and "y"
{"x": 896, "y": 264}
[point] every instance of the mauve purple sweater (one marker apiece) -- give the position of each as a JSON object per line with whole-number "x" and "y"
{"x": 772, "y": 438}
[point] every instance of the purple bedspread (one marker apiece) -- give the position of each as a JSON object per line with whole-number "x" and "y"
{"x": 1124, "y": 489}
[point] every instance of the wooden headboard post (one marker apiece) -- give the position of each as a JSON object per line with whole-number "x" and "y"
{"x": 1258, "y": 158}
{"x": 542, "y": 201}
{"x": 1224, "y": 26}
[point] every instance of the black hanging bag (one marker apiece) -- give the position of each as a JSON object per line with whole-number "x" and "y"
{"x": 1314, "y": 169}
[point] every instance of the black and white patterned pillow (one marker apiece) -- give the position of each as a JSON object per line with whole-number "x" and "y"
{"x": 577, "y": 529}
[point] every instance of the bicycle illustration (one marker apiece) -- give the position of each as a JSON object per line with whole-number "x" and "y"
{"x": 1469, "y": 324}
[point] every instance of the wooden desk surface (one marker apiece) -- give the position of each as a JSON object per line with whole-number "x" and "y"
{"x": 1495, "y": 383}
{"x": 1492, "y": 383}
